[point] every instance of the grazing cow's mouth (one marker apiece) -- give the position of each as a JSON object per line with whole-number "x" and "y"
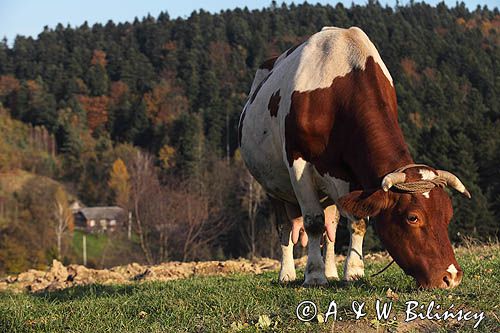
{"x": 450, "y": 279}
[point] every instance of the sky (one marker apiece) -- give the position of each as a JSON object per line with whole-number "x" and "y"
{"x": 28, "y": 17}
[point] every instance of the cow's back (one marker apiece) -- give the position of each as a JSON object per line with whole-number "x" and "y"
{"x": 313, "y": 65}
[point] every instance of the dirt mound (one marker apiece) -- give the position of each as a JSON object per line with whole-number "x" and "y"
{"x": 59, "y": 276}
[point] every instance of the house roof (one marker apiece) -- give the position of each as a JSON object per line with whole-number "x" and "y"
{"x": 76, "y": 206}
{"x": 100, "y": 213}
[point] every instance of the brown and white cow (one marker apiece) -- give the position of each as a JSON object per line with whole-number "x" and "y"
{"x": 321, "y": 119}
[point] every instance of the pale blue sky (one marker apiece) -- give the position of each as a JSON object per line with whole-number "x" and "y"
{"x": 28, "y": 17}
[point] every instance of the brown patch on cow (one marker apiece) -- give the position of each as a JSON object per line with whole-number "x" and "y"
{"x": 349, "y": 130}
{"x": 274, "y": 103}
{"x": 252, "y": 98}
{"x": 358, "y": 227}
{"x": 269, "y": 63}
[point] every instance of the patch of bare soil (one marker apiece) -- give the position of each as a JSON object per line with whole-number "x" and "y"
{"x": 59, "y": 276}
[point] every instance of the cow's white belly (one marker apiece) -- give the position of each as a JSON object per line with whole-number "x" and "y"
{"x": 263, "y": 154}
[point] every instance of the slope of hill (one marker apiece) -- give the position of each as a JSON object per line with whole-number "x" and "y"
{"x": 25, "y": 147}
{"x": 27, "y": 193}
{"x": 13, "y": 181}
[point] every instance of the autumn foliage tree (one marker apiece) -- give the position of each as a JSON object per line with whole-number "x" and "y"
{"x": 166, "y": 101}
{"x": 96, "y": 109}
{"x": 119, "y": 182}
{"x": 97, "y": 76}
{"x": 8, "y": 84}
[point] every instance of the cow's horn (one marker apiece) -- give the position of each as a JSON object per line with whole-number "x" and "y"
{"x": 454, "y": 182}
{"x": 392, "y": 179}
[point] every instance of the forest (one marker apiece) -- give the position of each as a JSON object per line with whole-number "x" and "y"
{"x": 144, "y": 115}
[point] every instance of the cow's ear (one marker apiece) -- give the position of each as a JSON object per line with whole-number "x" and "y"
{"x": 364, "y": 203}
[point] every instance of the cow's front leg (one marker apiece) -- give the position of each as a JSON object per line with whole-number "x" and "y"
{"x": 354, "y": 267}
{"x": 314, "y": 220}
{"x": 287, "y": 271}
{"x": 315, "y": 268}
{"x": 332, "y": 216}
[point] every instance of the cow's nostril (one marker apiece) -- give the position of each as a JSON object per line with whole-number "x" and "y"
{"x": 447, "y": 281}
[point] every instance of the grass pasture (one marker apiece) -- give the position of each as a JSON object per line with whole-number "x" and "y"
{"x": 257, "y": 303}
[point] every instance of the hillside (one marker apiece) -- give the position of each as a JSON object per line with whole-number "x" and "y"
{"x": 13, "y": 181}
{"x": 136, "y": 113}
{"x": 25, "y": 147}
{"x": 243, "y": 302}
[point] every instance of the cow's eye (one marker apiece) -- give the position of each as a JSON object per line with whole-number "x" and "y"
{"x": 412, "y": 218}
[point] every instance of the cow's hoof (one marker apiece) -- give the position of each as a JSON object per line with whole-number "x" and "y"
{"x": 315, "y": 280}
{"x": 350, "y": 278}
{"x": 354, "y": 273}
{"x": 286, "y": 277}
{"x": 331, "y": 273}
{"x": 334, "y": 277}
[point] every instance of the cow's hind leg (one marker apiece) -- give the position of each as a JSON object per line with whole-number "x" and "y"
{"x": 284, "y": 226}
{"x": 354, "y": 267}
{"x": 332, "y": 215}
{"x": 314, "y": 220}
{"x": 287, "y": 271}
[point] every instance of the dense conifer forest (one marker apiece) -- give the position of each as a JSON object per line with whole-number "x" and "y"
{"x": 144, "y": 115}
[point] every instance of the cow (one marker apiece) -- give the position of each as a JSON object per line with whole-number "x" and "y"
{"x": 320, "y": 133}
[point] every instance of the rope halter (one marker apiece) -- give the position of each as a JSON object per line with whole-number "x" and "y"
{"x": 397, "y": 178}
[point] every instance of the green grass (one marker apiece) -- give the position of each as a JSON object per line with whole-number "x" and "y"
{"x": 95, "y": 245}
{"x": 236, "y": 302}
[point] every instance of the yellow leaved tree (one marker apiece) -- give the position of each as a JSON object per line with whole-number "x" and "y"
{"x": 119, "y": 182}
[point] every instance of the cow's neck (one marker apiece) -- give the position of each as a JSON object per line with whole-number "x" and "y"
{"x": 374, "y": 130}
{"x": 380, "y": 149}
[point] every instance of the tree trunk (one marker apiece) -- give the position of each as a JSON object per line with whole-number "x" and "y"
{"x": 162, "y": 244}
{"x": 144, "y": 248}
{"x": 59, "y": 241}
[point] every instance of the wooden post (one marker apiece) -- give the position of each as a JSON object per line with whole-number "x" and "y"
{"x": 84, "y": 250}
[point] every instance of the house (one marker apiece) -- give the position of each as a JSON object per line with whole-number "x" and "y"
{"x": 100, "y": 219}
{"x": 76, "y": 206}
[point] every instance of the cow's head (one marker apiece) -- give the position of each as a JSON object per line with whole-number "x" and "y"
{"x": 413, "y": 224}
